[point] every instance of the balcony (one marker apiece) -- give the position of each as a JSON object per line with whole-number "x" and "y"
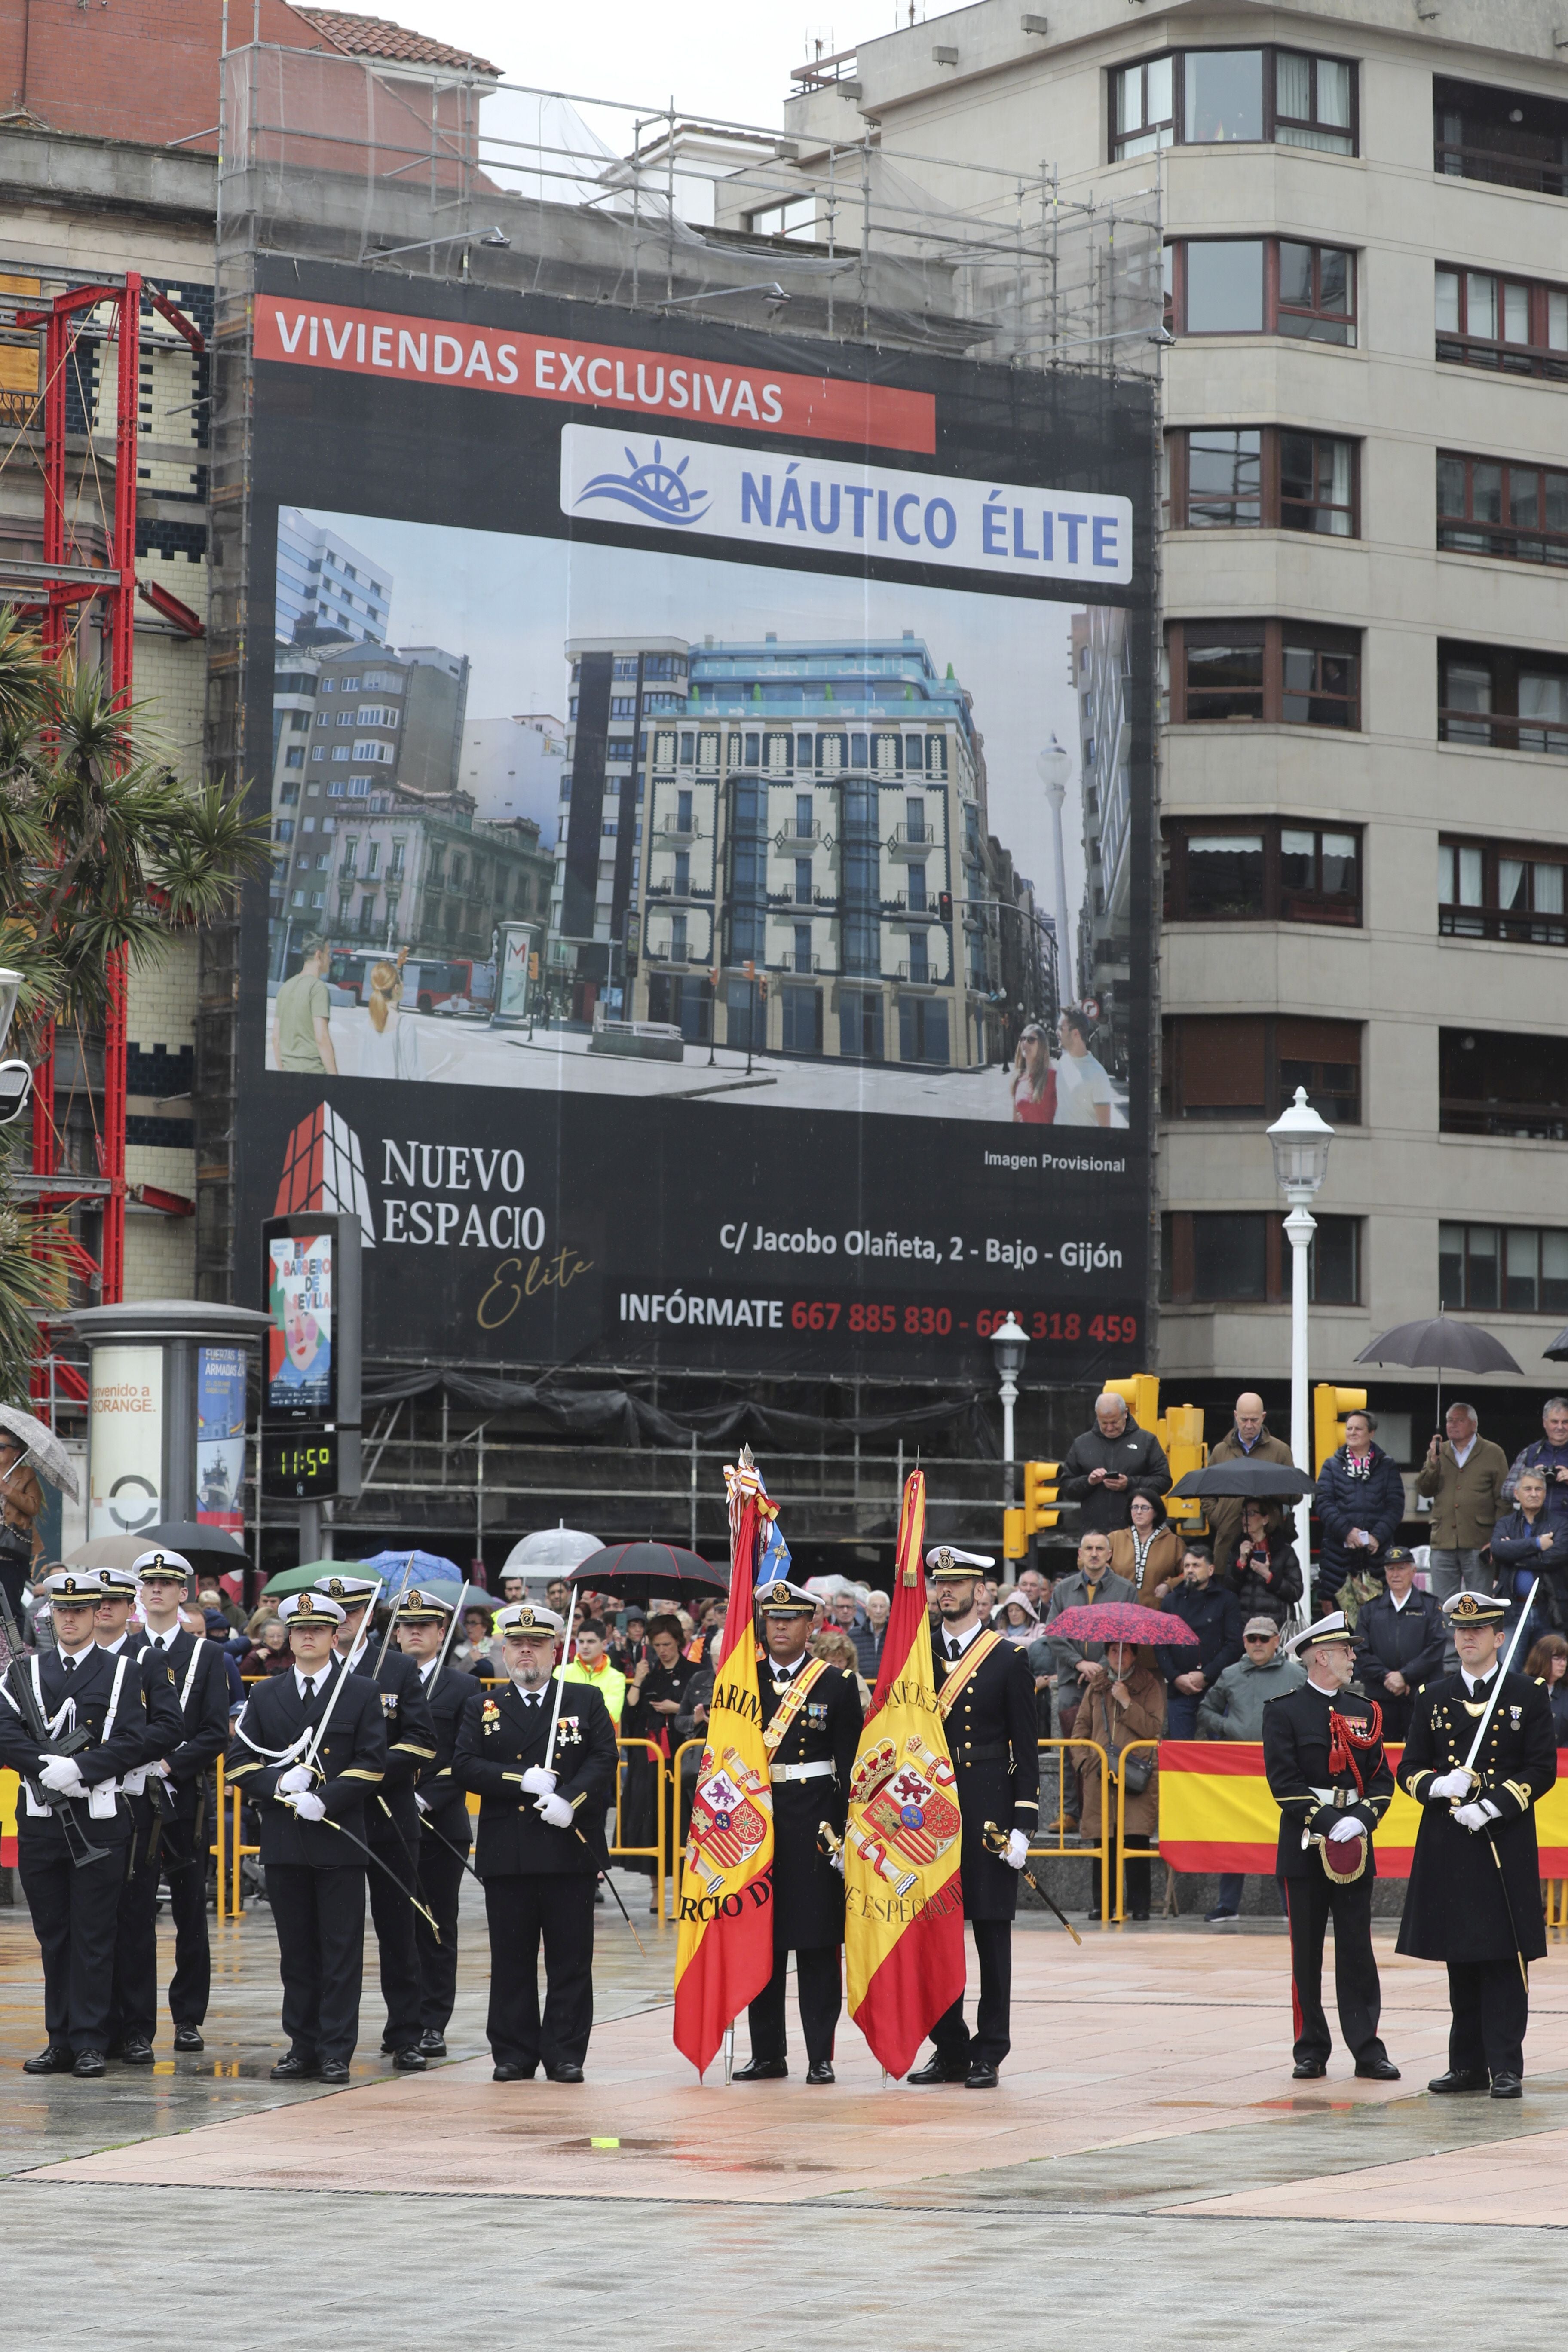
{"x": 902, "y": 843}
{"x": 920, "y": 975}
{"x": 670, "y": 834}
{"x": 1536, "y": 930}
{"x": 800, "y": 964}
{"x": 813, "y": 834}
{"x": 899, "y": 907}
{"x": 1502, "y": 733}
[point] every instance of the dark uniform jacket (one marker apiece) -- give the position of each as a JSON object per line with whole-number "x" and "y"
{"x": 446, "y": 1694}
{"x": 808, "y": 1893}
{"x": 1408, "y": 1641}
{"x": 1296, "y": 1760}
{"x": 1455, "y": 1908}
{"x": 991, "y": 1736}
{"x": 164, "y": 1726}
{"x": 351, "y": 1762}
{"x": 392, "y": 1813}
{"x": 116, "y": 1745}
{"x": 500, "y": 1737}
{"x": 201, "y": 1692}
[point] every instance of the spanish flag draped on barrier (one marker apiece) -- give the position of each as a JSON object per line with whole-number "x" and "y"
{"x": 903, "y": 1927}
{"x": 725, "y": 1953}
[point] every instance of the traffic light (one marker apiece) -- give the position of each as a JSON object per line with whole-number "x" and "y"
{"x": 1330, "y": 1407}
{"x": 1014, "y": 1537}
{"x": 1140, "y": 1392}
{"x": 945, "y": 904}
{"x": 1182, "y": 1435}
{"x": 1039, "y": 1496}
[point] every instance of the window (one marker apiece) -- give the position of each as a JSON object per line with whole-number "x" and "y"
{"x": 860, "y": 1024}
{"x": 1239, "y": 477}
{"x": 1213, "y": 97}
{"x": 1513, "y": 701}
{"x": 1281, "y": 671}
{"x": 294, "y": 758}
{"x": 1241, "y": 1257}
{"x": 1519, "y": 1268}
{"x": 1501, "y": 1082}
{"x": 1509, "y": 136}
{"x": 1262, "y": 869}
{"x": 1517, "y": 325}
{"x": 803, "y": 881}
{"x": 1262, "y": 286}
{"x": 803, "y": 816}
{"x": 1488, "y": 890}
{"x": 923, "y": 1029}
{"x": 1248, "y": 1065}
{"x": 1486, "y": 506}
{"x": 917, "y": 887}
{"x": 801, "y": 1020}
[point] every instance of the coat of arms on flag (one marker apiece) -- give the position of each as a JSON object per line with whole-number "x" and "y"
{"x": 726, "y": 1825}
{"x": 903, "y": 1809}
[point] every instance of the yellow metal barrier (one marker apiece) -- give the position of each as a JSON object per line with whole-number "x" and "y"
{"x": 1139, "y": 1851}
{"x": 655, "y": 1852}
{"x": 230, "y": 1851}
{"x": 1555, "y": 1891}
{"x": 1080, "y": 1852}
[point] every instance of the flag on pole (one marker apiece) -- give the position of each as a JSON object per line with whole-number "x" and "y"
{"x": 903, "y": 1927}
{"x": 724, "y": 1956}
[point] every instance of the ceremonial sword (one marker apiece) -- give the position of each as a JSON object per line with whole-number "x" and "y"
{"x": 996, "y": 1844}
{"x": 1470, "y": 1767}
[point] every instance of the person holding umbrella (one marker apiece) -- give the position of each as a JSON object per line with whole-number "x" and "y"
{"x": 1359, "y": 1502}
{"x": 1266, "y": 1573}
{"x": 1129, "y": 1705}
{"x": 1464, "y": 1473}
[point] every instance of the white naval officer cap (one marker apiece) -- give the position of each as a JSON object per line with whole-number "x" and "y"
{"x": 947, "y": 1561}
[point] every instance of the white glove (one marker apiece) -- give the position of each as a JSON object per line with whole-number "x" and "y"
{"x": 554, "y": 1809}
{"x": 423, "y": 1802}
{"x": 835, "y": 1856}
{"x": 308, "y": 1806}
{"x": 1344, "y": 1830}
{"x": 1449, "y": 1784}
{"x": 1474, "y": 1817}
{"x": 61, "y": 1776}
{"x": 538, "y": 1782}
{"x": 1017, "y": 1853}
{"x": 298, "y": 1777}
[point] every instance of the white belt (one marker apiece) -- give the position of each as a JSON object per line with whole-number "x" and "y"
{"x": 823, "y": 1771}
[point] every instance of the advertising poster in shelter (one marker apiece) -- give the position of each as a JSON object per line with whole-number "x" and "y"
{"x": 710, "y": 786}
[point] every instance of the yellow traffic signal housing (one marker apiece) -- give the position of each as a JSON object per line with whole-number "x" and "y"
{"x": 1040, "y": 1490}
{"x": 1140, "y": 1392}
{"x": 1014, "y": 1535}
{"x": 1330, "y": 1408}
{"x": 1181, "y": 1434}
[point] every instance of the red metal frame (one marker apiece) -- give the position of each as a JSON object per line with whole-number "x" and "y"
{"x": 57, "y": 601}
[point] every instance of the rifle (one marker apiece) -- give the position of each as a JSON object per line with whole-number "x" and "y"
{"x": 78, "y": 1846}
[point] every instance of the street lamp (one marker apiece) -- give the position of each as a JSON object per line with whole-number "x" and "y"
{"x": 1054, "y": 766}
{"x": 1299, "y": 1140}
{"x": 1009, "y": 1345}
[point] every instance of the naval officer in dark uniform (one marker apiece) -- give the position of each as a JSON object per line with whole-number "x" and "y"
{"x": 1474, "y": 1899}
{"x": 445, "y": 1834}
{"x": 391, "y": 1813}
{"x": 541, "y": 1845}
{"x": 811, "y": 1727}
{"x": 77, "y": 1687}
{"x": 986, "y": 1694}
{"x": 1322, "y": 1754}
{"x": 201, "y": 1688}
{"x": 303, "y": 1786}
{"x": 133, "y": 2010}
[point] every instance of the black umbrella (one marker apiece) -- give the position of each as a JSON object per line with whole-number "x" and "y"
{"x": 1558, "y": 1352}
{"x": 1254, "y": 1482}
{"x": 636, "y": 1572}
{"x": 1463, "y": 1347}
{"x": 204, "y": 1547}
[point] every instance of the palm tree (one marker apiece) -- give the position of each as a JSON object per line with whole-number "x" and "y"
{"x": 102, "y": 850}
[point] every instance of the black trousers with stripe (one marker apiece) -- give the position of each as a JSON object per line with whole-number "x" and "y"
{"x": 1310, "y": 1902}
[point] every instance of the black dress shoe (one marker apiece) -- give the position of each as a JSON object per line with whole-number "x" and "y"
{"x": 1460, "y": 2078}
{"x": 89, "y": 2062}
{"x": 1377, "y": 2070}
{"x": 137, "y": 2052}
{"x": 821, "y": 2073}
{"x": 564, "y": 2073}
{"x": 937, "y": 2070}
{"x": 1308, "y": 2069}
{"x": 1507, "y": 2086}
{"x": 762, "y": 2069}
{"x": 295, "y": 2068}
{"x": 409, "y": 2061}
{"x": 981, "y": 2078}
{"x": 332, "y": 2070}
{"x": 188, "y": 2037}
{"x": 56, "y": 2060}
{"x": 507, "y": 2073}
{"x": 433, "y": 2044}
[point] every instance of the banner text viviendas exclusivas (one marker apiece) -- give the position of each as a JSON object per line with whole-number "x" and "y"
{"x": 880, "y": 1109}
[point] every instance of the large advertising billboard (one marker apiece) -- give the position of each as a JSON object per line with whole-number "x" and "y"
{"x": 710, "y": 797}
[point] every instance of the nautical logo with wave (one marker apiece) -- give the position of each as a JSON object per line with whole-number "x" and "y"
{"x": 657, "y": 490}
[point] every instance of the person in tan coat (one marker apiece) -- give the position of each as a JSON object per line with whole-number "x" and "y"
{"x": 1464, "y": 1473}
{"x": 1149, "y": 1552}
{"x": 1249, "y": 1441}
{"x": 1127, "y": 1703}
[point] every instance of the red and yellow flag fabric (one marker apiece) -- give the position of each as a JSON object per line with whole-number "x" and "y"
{"x": 1215, "y": 1813}
{"x": 903, "y": 1927}
{"x": 725, "y": 1953}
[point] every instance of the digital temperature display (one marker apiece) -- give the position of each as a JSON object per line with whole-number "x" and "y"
{"x": 297, "y": 1464}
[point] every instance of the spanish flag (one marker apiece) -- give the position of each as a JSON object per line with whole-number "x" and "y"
{"x": 903, "y": 1927}
{"x": 725, "y": 1954}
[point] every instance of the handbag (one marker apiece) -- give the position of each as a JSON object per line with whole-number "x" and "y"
{"x": 1136, "y": 1773}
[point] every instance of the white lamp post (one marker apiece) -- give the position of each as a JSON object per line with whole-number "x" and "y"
{"x": 1054, "y": 766}
{"x": 1300, "y": 1142}
{"x": 1009, "y": 1345}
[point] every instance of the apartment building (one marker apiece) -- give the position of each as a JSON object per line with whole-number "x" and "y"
{"x": 1365, "y": 590}
{"x": 789, "y": 841}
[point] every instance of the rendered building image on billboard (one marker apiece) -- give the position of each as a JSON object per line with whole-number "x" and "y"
{"x": 709, "y": 910}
